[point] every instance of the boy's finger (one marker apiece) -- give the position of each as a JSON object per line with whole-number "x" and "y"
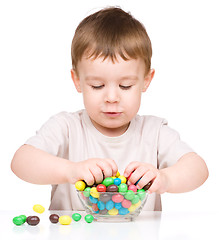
{"x": 113, "y": 165}
{"x": 130, "y": 168}
{"x": 97, "y": 174}
{"x": 89, "y": 178}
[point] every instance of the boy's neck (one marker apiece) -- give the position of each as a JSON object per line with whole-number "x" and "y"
{"x": 111, "y": 132}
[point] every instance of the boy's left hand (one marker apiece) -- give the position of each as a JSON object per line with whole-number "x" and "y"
{"x": 147, "y": 173}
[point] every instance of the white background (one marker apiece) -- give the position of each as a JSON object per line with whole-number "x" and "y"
{"x": 35, "y": 83}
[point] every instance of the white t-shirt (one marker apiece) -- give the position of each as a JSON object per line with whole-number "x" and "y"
{"x": 72, "y": 136}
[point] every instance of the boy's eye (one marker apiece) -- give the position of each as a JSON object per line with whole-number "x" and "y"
{"x": 97, "y": 87}
{"x": 125, "y": 87}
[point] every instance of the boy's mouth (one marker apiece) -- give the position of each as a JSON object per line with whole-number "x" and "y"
{"x": 112, "y": 114}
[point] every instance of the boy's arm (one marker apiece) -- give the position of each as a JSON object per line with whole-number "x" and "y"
{"x": 39, "y": 167}
{"x": 187, "y": 174}
{"x": 36, "y": 166}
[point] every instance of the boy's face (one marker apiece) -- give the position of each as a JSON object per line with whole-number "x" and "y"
{"x": 111, "y": 91}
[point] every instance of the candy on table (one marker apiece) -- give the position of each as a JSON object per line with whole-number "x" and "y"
{"x": 19, "y": 220}
{"x": 33, "y": 220}
{"x": 65, "y": 220}
{"x": 38, "y": 208}
{"x": 54, "y": 218}
{"x": 89, "y": 218}
{"x": 76, "y": 217}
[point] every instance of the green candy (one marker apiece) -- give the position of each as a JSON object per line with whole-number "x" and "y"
{"x": 23, "y": 217}
{"x": 76, "y": 217}
{"x": 129, "y": 195}
{"x": 89, "y": 218}
{"x": 87, "y": 191}
{"x": 135, "y": 199}
{"x": 108, "y": 181}
{"x": 123, "y": 188}
{"x": 18, "y": 220}
{"x": 141, "y": 193}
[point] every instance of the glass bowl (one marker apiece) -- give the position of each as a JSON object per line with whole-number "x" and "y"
{"x": 113, "y": 206}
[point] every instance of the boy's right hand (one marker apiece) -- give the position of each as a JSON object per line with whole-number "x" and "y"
{"x": 93, "y": 170}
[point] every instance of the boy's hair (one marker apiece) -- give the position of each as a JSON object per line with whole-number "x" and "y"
{"x": 108, "y": 33}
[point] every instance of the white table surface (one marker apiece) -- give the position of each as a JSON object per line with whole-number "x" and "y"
{"x": 148, "y": 225}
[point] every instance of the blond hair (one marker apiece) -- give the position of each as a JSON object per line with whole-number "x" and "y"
{"x": 108, "y": 33}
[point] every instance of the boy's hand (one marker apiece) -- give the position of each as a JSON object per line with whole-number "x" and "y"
{"x": 94, "y": 170}
{"x": 147, "y": 173}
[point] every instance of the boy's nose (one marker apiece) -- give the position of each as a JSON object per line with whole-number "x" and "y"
{"x": 112, "y": 95}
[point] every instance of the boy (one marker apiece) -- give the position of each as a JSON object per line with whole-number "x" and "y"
{"x": 111, "y": 60}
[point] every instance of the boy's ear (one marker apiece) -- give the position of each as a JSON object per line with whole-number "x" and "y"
{"x": 76, "y": 80}
{"x": 147, "y": 80}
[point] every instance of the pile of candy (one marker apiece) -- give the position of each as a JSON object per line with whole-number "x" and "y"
{"x": 54, "y": 218}
{"x": 111, "y": 197}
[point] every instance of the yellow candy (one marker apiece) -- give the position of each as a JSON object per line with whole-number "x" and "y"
{"x": 65, "y": 220}
{"x": 113, "y": 211}
{"x": 80, "y": 185}
{"x": 94, "y": 193}
{"x": 137, "y": 204}
{"x": 117, "y": 174}
{"x": 132, "y": 208}
{"x": 38, "y": 208}
{"x": 123, "y": 179}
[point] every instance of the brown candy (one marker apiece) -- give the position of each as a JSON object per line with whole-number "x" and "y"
{"x": 147, "y": 186}
{"x": 54, "y": 218}
{"x": 104, "y": 197}
{"x": 112, "y": 188}
{"x": 33, "y": 220}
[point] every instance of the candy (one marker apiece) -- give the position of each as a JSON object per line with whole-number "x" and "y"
{"x": 18, "y": 220}
{"x": 132, "y": 187}
{"x": 80, "y": 185}
{"x": 117, "y": 198}
{"x": 86, "y": 192}
{"x": 117, "y": 174}
{"x": 123, "y": 187}
{"x": 112, "y": 188}
{"x": 23, "y": 218}
{"x": 89, "y": 218}
{"x": 101, "y": 188}
{"x": 109, "y": 205}
{"x": 126, "y": 203}
{"x": 54, "y": 218}
{"x": 33, "y": 220}
{"x": 65, "y": 220}
{"x": 117, "y": 181}
{"x": 141, "y": 193}
{"x": 108, "y": 181}
{"x": 123, "y": 179}
{"x": 38, "y": 208}
{"x": 76, "y": 217}
{"x": 94, "y": 193}
{"x": 129, "y": 195}
{"x": 93, "y": 199}
{"x": 101, "y": 205}
{"x": 104, "y": 197}
{"x": 123, "y": 211}
{"x": 136, "y": 199}
{"x": 113, "y": 211}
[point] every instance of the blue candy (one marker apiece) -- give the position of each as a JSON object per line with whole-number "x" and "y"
{"x": 117, "y": 181}
{"x": 109, "y": 205}
{"x": 93, "y": 200}
{"x": 118, "y": 205}
{"x": 123, "y": 211}
{"x": 101, "y": 205}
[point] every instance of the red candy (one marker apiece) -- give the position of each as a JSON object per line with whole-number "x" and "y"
{"x": 117, "y": 198}
{"x": 101, "y": 188}
{"x": 133, "y": 188}
{"x": 126, "y": 203}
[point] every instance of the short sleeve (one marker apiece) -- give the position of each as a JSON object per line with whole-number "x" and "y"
{"x": 170, "y": 146}
{"x": 52, "y": 137}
